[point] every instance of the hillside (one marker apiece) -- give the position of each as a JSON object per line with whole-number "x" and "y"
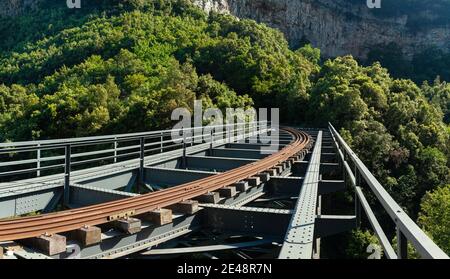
{"x": 123, "y": 66}
{"x": 340, "y": 27}
{"x": 409, "y": 37}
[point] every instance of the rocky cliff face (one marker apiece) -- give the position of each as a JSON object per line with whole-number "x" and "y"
{"x": 16, "y": 7}
{"x": 337, "y": 27}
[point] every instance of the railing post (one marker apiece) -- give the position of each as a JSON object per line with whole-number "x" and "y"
{"x": 402, "y": 245}
{"x": 211, "y": 143}
{"x": 183, "y": 164}
{"x": 344, "y": 170}
{"x": 357, "y": 201}
{"x": 162, "y": 143}
{"x": 67, "y": 167}
{"x": 38, "y": 160}
{"x": 141, "y": 163}
{"x": 357, "y": 210}
{"x": 115, "y": 149}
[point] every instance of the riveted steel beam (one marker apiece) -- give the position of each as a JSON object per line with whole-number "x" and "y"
{"x": 237, "y": 153}
{"x": 82, "y": 195}
{"x": 171, "y": 177}
{"x": 298, "y": 243}
{"x": 215, "y": 163}
{"x": 247, "y": 220}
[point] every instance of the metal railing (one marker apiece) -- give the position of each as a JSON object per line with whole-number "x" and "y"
{"x": 407, "y": 229}
{"x": 31, "y": 159}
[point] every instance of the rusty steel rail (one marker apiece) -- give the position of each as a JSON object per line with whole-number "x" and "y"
{"x": 64, "y": 221}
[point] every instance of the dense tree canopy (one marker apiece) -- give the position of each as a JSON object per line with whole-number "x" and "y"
{"x": 435, "y": 216}
{"x": 426, "y": 64}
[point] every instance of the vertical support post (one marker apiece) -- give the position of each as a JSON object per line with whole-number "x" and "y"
{"x": 402, "y": 245}
{"x": 340, "y": 162}
{"x": 67, "y": 167}
{"x": 344, "y": 170}
{"x": 316, "y": 243}
{"x": 357, "y": 201}
{"x": 258, "y": 132}
{"x": 254, "y": 127}
{"x": 38, "y": 160}
{"x": 141, "y": 164}
{"x": 232, "y": 133}
{"x": 211, "y": 143}
{"x": 115, "y": 149}
{"x": 183, "y": 165}
{"x": 357, "y": 210}
{"x": 162, "y": 143}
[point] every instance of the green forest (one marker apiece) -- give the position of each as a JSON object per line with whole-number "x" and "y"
{"x": 124, "y": 65}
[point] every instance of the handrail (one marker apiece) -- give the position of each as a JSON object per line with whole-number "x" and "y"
{"x": 406, "y": 227}
{"x": 63, "y": 142}
{"x": 107, "y": 148}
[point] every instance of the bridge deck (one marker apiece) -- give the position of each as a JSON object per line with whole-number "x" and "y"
{"x": 284, "y": 207}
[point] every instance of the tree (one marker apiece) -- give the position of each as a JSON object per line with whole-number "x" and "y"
{"x": 359, "y": 242}
{"x": 433, "y": 170}
{"x": 434, "y": 216}
{"x": 336, "y": 95}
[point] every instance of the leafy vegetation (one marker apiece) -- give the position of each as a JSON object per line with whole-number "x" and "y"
{"x": 426, "y": 65}
{"x": 126, "y": 68}
{"x": 435, "y": 216}
{"x": 113, "y": 73}
{"x": 359, "y": 241}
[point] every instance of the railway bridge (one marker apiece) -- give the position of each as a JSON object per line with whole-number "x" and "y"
{"x": 236, "y": 195}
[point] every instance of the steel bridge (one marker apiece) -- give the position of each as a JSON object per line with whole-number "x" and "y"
{"x": 233, "y": 194}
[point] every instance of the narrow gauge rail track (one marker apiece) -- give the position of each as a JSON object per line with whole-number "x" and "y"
{"x": 64, "y": 221}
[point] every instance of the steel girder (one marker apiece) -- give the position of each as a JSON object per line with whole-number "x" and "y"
{"x": 298, "y": 243}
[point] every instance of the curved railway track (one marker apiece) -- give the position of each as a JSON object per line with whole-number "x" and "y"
{"x": 64, "y": 221}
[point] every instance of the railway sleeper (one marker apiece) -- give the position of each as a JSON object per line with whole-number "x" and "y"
{"x": 279, "y": 168}
{"x": 272, "y": 172}
{"x": 87, "y": 236}
{"x": 275, "y": 170}
{"x": 241, "y": 186}
{"x": 264, "y": 176}
{"x": 212, "y": 197}
{"x": 253, "y": 181}
{"x": 227, "y": 192}
{"x": 48, "y": 244}
{"x": 158, "y": 217}
{"x": 128, "y": 225}
{"x": 185, "y": 207}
